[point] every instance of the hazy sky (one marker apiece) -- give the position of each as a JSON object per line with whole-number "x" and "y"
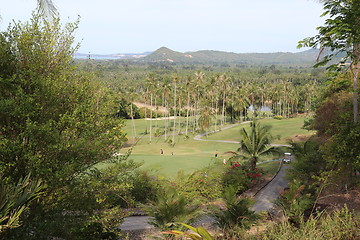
{"x": 135, "y": 26}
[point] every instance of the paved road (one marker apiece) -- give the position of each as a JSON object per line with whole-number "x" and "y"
{"x": 135, "y": 223}
{"x": 266, "y": 196}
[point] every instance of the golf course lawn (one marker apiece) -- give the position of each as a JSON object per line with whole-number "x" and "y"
{"x": 188, "y": 154}
{"x": 282, "y": 130}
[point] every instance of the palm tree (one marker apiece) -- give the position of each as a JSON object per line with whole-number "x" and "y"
{"x": 188, "y": 88}
{"x": 206, "y": 116}
{"x": 47, "y": 8}
{"x": 131, "y": 98}
{"x": 175, "y": 79}
{"x": 254, "y": 144}
{"x": 223, "y": 80}
{"x": 15, "y": 199}
{"x": 151, "y": 87}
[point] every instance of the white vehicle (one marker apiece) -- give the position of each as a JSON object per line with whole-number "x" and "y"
{"x": 287, "y": 157}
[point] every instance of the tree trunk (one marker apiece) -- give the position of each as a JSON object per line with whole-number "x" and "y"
{"x": 150, "y": 116}
{"x": 132, "y": 120}
{"x": 187, "y": 113}
{"x": 174, "y": 130}
{"x": 356, "y": 75}
{"x": 355, "y": 69}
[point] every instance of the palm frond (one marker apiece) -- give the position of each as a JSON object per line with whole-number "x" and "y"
{"x": 47, "y": 8}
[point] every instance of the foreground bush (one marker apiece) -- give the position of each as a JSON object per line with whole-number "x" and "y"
{"x": 237, "y": 212}
{"x": 171, "y": 209}
{"x": 203, "y": 185}
{"x": 342, "y": 224}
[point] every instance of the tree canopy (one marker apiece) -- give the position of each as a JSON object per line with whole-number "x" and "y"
{"x": 340, "y": 34}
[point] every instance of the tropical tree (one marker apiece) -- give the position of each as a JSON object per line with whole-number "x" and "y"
{"x": 130, "y": 95}
{"x": 341, "y": 34}
{"x": 151, "y": 84}
{"x": 254, "y": 144}
{"x": 175, "y": 80}
{"x": 14, "y": 200}
{"x": 47, "y": 8}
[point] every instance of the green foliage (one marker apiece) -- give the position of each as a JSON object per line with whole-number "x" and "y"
{"x": 237, "y": 212}
{"x": 202, "y": 185}
{"x": 255, "y": 143}
{"x": 295, "y": 202}
{"x": 92, "y": 205}
{"x": 332, "y": 114}
{"x": 342, "y": 224}
{"x": 200, "y": 233}
{"x": 308, "y": 123}
{"x": 125, "y": 111}
{"x": 55, "y": 122}
{"x": 340, "y": 32}
{"x": 171, "y": 209}
{"x": 342, "y": 151}
{"x": 278, "y": 117}
{"x": 14, "y": 201}
{"x": 309, "y": 161}
{"x": 240, "y": 177}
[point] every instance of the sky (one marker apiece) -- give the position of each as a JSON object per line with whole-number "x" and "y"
{"x": 137, "y": 26}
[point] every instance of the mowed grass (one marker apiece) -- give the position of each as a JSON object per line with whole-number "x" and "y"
{"x": 189, "y": 155}
{"x": 186, "y": 154}
{"x": 282, "y": 130}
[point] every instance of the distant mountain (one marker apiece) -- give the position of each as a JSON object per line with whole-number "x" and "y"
{"x": 166, "y": 55}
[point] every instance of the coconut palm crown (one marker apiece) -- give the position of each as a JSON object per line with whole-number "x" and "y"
{"x": 255, "y": 143}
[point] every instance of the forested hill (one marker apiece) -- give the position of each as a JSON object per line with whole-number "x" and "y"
{"x": 164, "y": 54}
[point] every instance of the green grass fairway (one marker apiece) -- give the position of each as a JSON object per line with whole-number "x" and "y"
{"x": 189, "y": 154}
{"x": 282, "y": 130}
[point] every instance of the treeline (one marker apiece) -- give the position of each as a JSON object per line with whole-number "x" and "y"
{"x": 226, "y": 91}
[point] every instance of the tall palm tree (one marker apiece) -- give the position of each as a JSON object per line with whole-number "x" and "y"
{"x": 175, "y": 79}
{"x": 47, "y": 8}
{"x": 255, "y": 143}
{"x": 151, "y": 84}
{"x": 131, "y": 96}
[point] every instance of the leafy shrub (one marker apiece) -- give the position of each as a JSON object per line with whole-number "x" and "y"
{"x": 171, "y": 209}
{"x": 203, "y": 185}
{"x": 294, "y": 202}
{"x": 14, "y": 201}
{"x": 342, "y": 224}
{"x": 91, "y": 206}
{"x": 158, "y": 132}
{"x": 278, "y": 117}
{"x": 241, "y": 177}
{"x": 144, "y": 187}
{"x": 199, "y": 233}
{"x": 308, "y": 123}
{"x": 237, "y": 212}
